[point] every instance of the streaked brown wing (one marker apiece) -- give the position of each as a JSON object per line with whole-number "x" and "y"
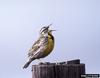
{"x": 34, "y": 47}
{"x": 37, "y": 46}
{"x": 39, "y": 53}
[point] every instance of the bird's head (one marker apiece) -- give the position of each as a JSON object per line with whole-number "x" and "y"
{"x": 45, "y": 29}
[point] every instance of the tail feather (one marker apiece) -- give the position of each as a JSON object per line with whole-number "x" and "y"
{"x": 27, "y": 64}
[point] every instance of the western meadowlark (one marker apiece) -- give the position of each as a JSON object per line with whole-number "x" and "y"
{"x": 42, "y": 47}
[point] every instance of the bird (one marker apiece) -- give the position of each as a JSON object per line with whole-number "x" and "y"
{"x": 42, "y": 47}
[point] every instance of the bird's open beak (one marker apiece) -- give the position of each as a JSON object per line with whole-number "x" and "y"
{"x": 53, "y": 30}
{"x": 49, "y": 25}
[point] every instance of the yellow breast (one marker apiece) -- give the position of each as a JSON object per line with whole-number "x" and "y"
{"x": 50, "y": 45}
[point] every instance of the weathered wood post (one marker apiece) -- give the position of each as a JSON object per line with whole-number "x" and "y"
{"x": 69, "y": 69}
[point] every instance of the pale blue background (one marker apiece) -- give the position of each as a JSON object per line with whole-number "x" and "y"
{"x": 78, "y": 33}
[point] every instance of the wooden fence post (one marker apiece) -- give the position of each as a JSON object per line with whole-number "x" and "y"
{"x": 69, "y": 69}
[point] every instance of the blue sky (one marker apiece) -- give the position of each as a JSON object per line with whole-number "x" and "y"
{"x": 78, "y": 33}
